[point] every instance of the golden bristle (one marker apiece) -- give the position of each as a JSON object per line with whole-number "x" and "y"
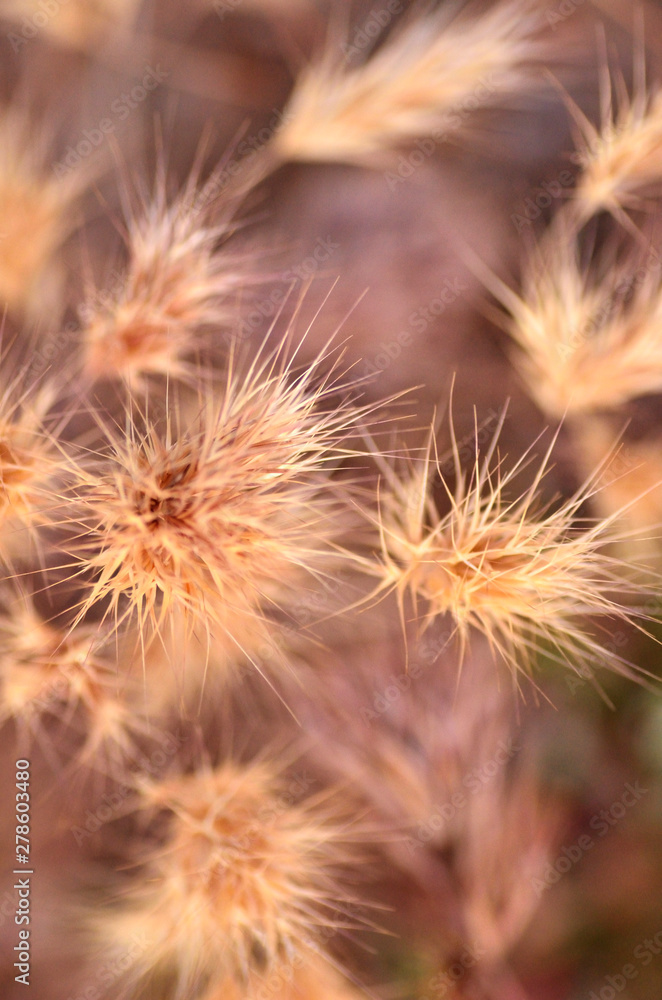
{"x": 587, "y": 332}
{"x": 175, "y": 288}
{"x": 622, "y": 158}
{"x": 522, "y": 573}
{"x": 225, "y": 518}
{"x": 427, "y": 78}
{"x": 29, "y": 468}
{"x": 56, "y": 679}
{"x": 37, "y": 213}
{"x": 242, "y": 880}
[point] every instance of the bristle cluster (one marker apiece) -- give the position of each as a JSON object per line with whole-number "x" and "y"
{"x": 427, "y": 78}
{"x": 174, "y": 291}
{"x": 29, "y": 468}
{"x": 63, "y": 691}
{"x": 586, "y": 330}
{"x": 242, "y": 880}
{"x": 500, "y": 563}
{"x": 224, "y": 517}
{"x": 622, "y": 157}
{"x": 37, "y": 213}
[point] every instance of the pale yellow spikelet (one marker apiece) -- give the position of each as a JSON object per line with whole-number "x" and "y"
{"x": 622, "y": 158}
{"x": 77, "y": 24}
{"x": 587, "y": 331}
{"x": 525, "y": 574}
{"x": 427, "y": 79}
{"x": 62, "y": 689}
{"x": 174, "y": 289}
{"x": 225, "y": 517}
{"x": 37, "y": 213}
{"x": 242, "y": 879}
{"x": 29, "y": 468}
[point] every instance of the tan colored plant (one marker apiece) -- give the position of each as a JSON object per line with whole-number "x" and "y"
{"x": 241, "y": 882}
{"x": 427, "y": 78}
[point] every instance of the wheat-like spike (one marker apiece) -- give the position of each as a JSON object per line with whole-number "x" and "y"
{"x": 175, "y": 288}
{"x": 224, "y": 518}
{"x": 425, "y": 80}
{"x": 524, "y": 574}
{"x": 37, "y": 213}
{"x": 76, "y": 24}
{"x": 622, "y": 157}
{"x": 242, "y": 879}
{"x": 587, "y": 332}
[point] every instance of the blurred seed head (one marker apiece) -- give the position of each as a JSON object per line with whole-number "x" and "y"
{"x": 427, "y": 78}
{"x": 243, "y": 880}
{"x": 37, "y": 213}
{"x": 586, "y": 330}
{"x": 174, "y": 290}
{"x": 524, "y": 574}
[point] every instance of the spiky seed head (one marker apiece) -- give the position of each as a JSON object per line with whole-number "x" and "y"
{"x": 621, "y": 158}
{"x": 525, "y": 574}
{"x": 56, "y": 680}
{"x": 224, "y": 518}
{"x": 175, "y": 288}
{"x": 425, "y": 75}
{"x": 242, "y": 878}
{"x": 586, "y": 331}
{"x": 37, "y": 213}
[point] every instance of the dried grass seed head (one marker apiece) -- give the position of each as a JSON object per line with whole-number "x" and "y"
{"x": 37, "y": 213}
{"x": 585, "y": 328}
{"x": 175, "y": 288}
{"x": 62, "y": 688}
{"x": 427, "y": 78}
{"x": 242, "y": 880}
{"x": 224, "y": 517}
{"x": 621, "y": 158}
{"x": 30, "y": 465}
{"x": 528, "y": 576}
